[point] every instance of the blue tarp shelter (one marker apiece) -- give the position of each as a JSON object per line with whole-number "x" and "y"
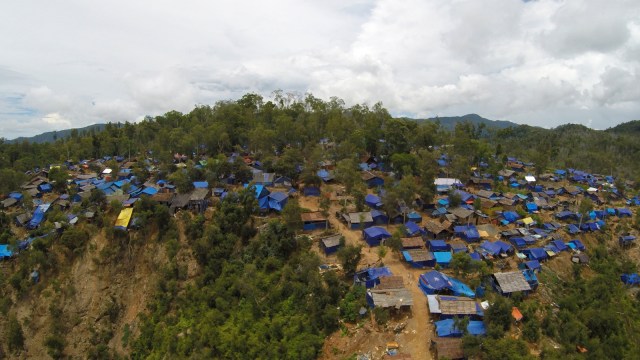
{"x": 277, "y": 200}
{"x": 330, "y": 244}
{"x": 419, "y": 258}
{"x": 565, "y": 215}
{"x": 370, "y": 277}
{"x": 16, "y": 195}
{"x": 518, "y": 242}
{"x": 623, "y": 212}
{"x": 438, "y": 245}
{"x": 200, "y": 184}
{"x": 311, "y": 191}
{"x": 446, "y": 328}
{"x": 373, "y": 201}
{"x": 5, "y": 253}
{"x": 467, "y": 232}
{"x": 461, "y": 289}
{"x": 413, "y": 229}
{"x": 533, "y": 265}
{"x": 560, "y": 245}
{"x": 149, "y": 191}
{"x": 324, "y": 175}
{"x": 510, "y": 216}
{"x": 45, "y": 187}
{"x": 260, "y": 191}
{"x": 536, "y": 254}
{"x": 443, "y": 258}
{"x": 374, "y": 235}
{"x": 374, "y": 181}
{"x": 627, "y": 240}
{"x": 433, "y": 282}
{"x": 630, "y": 279}
{"x": 415, "y": 217}
{"x": 576, "y": 245}
{"x": 379, "y": 217}
{"x": 496, "y": 248}
{"x": 572, "y": 229}
{"x": 38, "y": 216}
{"x": 532, "y": 207}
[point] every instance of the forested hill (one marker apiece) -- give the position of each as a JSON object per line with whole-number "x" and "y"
{"x": 447, "y": 123}
{"x": 149, "y": 240}
{"x": 631, "y": 127}
{"x": 450, "y": 122}
{"x": 52, "y": 136}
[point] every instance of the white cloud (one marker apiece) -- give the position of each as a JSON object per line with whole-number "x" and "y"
{"x": 56, "y": 119}
{"x": 541, "y": 62}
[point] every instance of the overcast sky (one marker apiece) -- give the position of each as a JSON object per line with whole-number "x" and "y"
{"x": 73, "y": 63}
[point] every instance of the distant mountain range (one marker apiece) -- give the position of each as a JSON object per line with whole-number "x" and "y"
{"x": 449, "y": 122}
{"x": 52, "y": 136}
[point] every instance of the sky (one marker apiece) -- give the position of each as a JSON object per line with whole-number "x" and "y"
{"x": 72, "y": 63}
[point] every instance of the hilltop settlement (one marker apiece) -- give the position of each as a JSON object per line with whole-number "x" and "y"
{"x": 412, "y": 252}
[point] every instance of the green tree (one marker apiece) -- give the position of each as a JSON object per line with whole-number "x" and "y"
{"x": 292, "y": 213}
{"x": 382, "y": 252}
{"x": 182, "y": 181}
{"x": 15, "y": 336}
{"x": 499, "y": 314}
{"x": 58, "y": 178}
{"x": 454, "y": 199}
{"x": 349, "y": 257}
{"x": 347, "y": 174}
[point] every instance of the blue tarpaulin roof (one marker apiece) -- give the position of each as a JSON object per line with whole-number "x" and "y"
{"x": 414, "y": 216}
{"x": 624, "y": 212}
{"x": 496, "y": 248}
{"x": 435, "y": 280}
{"x": 630, "y": 279}
{"x": 438, "y": 245}
{"x": 572, "y": 229}
{"x": 577, "y": 244}
{"x": 533, "y": 265}
{"x": 376, "y": 231}
{"x": 560, "y": 245}
{"x": 16, "y": 195}
{"x": 442, "y": 257}
{"x": 535, "y": 253}
{"x": 277, "y": 200}
{"x": 369, "y": 277}
{"x": 38, "y": 216}
{"x": 412, "y": 228}
{"x": 446, "y": 328}
{"x": 4, "y": 251}
{"x": 565, "y": 214}
{"x": 372, "y": 200}
{"x": 200, "y": 184}
{"x": 149, "y": 191}
{"x": 510, "y": 216}
{"x": 518, "y": 242}
{"x": 461, "y": 289}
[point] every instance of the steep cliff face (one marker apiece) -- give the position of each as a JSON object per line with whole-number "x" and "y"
{"x": 87, "y": 306}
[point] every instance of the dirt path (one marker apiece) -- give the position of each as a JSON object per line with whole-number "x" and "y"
{"x": 416, "y": 336}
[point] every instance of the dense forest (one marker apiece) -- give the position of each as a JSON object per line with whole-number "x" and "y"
{"x": 290, "y": 128}
{"x": 257, "y": 292}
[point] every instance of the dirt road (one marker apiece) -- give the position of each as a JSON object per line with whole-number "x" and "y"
{"x": 416, "y": 336}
